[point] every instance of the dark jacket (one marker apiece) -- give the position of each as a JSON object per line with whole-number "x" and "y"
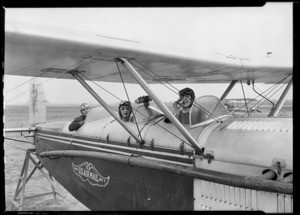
{"x": 184, "y": 118}
{"x": 77, "y": 123}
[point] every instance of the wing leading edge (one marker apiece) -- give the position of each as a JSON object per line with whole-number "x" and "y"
{"x": 32, "y": 50}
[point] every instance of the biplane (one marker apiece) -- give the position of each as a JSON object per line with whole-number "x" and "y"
{"x": 216, "y": 162}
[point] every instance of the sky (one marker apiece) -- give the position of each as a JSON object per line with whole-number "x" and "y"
{"x": 244, "y": 32}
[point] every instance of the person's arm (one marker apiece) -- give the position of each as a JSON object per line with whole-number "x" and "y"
{"x": 76, "y": 124}
{"x": 176, "y": 107}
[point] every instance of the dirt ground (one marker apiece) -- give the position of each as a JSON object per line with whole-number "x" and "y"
{"x": 14, "y": 155}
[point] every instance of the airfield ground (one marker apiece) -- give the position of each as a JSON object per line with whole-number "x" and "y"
{"x": 14, "y": 158}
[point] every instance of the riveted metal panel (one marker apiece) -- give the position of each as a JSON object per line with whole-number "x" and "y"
{"x": 217, "y": 193}
{"x": 222, "y": 197}
{"x": 286, "y": 127}
{"x": 289, "y": 127}
{"x": 273, "y": 126}
{"x": 211, "y": 190}
{"x": 226, "y": 193}
{"x": 203, "y": 187}
{"x": 255, "y": 142}
{"x": 222, "y": 192}
{"x": 254, "y": 199}
{"x": 248, "y": 199}
{"x": 278, "y": 128}
{"x": 260, "y": 125}
{"x": 208, "y": 196}
{"x": 265, "y": 126}
{"x": 243, "y": 197}
{"x": 236, "y": 196}
{"x": 280, "y": 203}
{"x": 231, "y": 195}
{"x": 214, "y": 204}
{"x": 197, "y": 196}
{"x": 288, "y": 204}
{"x": 267, "y": 202}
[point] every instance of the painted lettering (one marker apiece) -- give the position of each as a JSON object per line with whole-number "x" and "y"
{"x": 87, "y": 172}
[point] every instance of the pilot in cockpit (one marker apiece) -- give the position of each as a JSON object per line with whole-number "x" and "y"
{"x": 78, "y": 121}
{"x": 183, "y": 105}
{"x": 125, "y": 110}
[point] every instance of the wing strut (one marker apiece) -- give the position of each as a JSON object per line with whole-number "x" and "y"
{"x": 102, "y": 102}
{"x": 279, "y": 104}
{"x": 227, "y": 91}
{"x": 161, "y": 105}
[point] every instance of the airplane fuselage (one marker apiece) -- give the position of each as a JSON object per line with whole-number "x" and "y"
{"x": 242, "y": 147}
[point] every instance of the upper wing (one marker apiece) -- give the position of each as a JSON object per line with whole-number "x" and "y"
{"x": 32, "y": 50}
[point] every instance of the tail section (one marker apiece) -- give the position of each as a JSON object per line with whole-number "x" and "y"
{"x": 37, "y": 103}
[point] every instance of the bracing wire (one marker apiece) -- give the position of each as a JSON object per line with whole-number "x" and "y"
{"x": 275, "y": 86}
{"x": 136, "y": 110}
{"x": 39, "y": 75}
{"x": 24, "y": 92}
{"x": 101, "y": 87}
{"x": 273, "y": 89}
{"x": 43, "y": 82}
{"x": 270, "y": 95}
{"x": 73, "y": 66}
{"x": 210, "y": 114}
{"x": 269, "y": 90}
{"x": 128, "y": 98}
{"x": 249, "y": 103}
{"x": 276, "y": 91}
{"x": 198, "y": 106}
{"x": 263, "y": 96}
{"x": 159, "y": 78}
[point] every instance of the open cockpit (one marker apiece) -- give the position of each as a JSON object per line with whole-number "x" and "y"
{"x": 204, "y": 110}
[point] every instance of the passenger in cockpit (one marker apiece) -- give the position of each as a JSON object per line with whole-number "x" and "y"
{"x": 78, "y": 121}
{"x": 183, "y": 105}
{"x": 125, "y": 110}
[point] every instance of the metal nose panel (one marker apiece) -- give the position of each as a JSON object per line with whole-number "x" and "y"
{"x": 267, "y": 126}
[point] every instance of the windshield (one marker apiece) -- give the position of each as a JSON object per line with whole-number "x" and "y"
{"x": 206, "y": 109}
